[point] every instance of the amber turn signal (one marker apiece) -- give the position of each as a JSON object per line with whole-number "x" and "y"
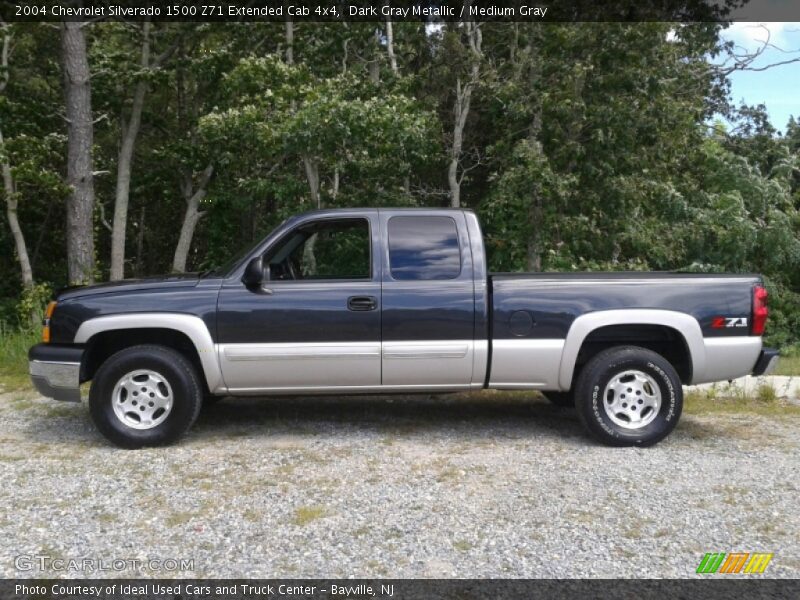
{"x": 47, "y": 314}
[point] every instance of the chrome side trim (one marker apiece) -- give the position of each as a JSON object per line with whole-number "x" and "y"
{"x": 236, "y": 352}
{"x": 427, "y": 363}
{"x": 424, "y": 350}
{"x": 193, "y": 327}
{"x": 729, "y": 358}
{"x": 525, "y": 364}
{"x": 685, "y": 324}
{"x": 58, "y": 380}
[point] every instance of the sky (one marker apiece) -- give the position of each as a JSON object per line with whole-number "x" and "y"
{"x": 779, "y": 87}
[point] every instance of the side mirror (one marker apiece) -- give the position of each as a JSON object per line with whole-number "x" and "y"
{"x": 254, "y": 272}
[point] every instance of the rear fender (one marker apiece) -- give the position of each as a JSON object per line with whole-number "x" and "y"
{"x": 684, "y": 324}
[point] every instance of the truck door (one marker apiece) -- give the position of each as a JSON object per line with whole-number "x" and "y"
{"x": 315, "y": 323}
{"x": 428, "y": 302}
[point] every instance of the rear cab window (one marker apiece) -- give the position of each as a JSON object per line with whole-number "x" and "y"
{"x": 424, "y": 248}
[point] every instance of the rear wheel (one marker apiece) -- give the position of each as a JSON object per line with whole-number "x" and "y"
{"x": 629, "y": 396}
{"x": 145, "y": 395}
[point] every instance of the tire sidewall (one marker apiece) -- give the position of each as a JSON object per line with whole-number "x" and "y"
{"x": 185, "y": 390}
{"x": 666, "y": 379}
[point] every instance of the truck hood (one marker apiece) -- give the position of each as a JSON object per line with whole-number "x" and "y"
{"x": 129, "y": 285}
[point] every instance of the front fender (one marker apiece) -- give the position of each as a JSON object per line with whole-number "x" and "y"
{"x": 193, "y": 327}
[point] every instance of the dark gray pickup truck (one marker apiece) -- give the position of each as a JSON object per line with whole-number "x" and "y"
{"x": 396, "y": 301}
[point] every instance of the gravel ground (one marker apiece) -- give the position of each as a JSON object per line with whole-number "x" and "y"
{"x": 488, "y": 485}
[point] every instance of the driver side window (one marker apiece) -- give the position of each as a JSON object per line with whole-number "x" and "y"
{"x": 327, "y": 249}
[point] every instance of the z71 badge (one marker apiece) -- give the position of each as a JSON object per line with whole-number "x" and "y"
{"x": 724, "y": 322}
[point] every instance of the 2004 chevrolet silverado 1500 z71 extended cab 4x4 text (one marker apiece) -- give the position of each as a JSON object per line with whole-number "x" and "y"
{"x": 396, "y": 301}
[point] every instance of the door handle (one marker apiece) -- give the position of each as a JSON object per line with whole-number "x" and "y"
{"x": 360, "y": 303}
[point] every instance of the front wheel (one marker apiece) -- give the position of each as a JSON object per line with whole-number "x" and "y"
{"x": 145, "y": 395}
{"x": 629, "y": 396}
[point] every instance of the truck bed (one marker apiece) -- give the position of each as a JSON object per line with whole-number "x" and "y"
{"x": 533, "y": 314}
{"x": 554, "y": 300}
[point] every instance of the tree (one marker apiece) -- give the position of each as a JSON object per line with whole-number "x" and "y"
{"x": 9, "y": 187}
{"x": 80, "y": 135}
{"x": 461, "y": 105}
{"x": 339, "y": 131}
{"x": 193, "y": 193}
{"x": 130, "y": 131}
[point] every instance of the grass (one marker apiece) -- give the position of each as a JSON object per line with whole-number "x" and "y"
{"x": 789, "y": 363}
{"x": 178, "y": 519}
{"x": 764, "y": 402}
{"x": 306, "y": 514}
{"x": 14, "y": 345}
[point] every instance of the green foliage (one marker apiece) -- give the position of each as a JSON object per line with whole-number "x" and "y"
{"x": 588, "y": 146}
{"x": 14, "y": 345}
{"x": 360, "y": 142}
{"x": 32, "y": 303}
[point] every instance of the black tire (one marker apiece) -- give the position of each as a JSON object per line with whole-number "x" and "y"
{"x": 186, "y": 396}
{"x": 562, "y": 399}
{"x": 601, "y": 370}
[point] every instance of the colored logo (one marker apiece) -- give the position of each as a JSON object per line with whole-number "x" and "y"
{"x": 734, "y": 562}
{"x": 723, "y": 322}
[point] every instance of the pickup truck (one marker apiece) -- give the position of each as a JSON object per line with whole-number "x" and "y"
{"x": 394, "y": 301}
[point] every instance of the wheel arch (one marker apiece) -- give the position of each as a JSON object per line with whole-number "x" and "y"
{"x": 683, "y": 326}
{"x": 185, "y": 333}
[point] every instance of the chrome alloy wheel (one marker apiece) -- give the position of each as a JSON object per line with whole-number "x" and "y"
{"x": 632, "y": 399}
{"x": 142, "y": 399}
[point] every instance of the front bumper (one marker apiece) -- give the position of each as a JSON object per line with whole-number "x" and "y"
{"x": 767, "y": 361}
{"x": 55, "y": 371}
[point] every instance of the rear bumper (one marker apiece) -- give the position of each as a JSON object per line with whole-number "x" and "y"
{"x": 767, "y": 361}
{"x": 55, "y": 371}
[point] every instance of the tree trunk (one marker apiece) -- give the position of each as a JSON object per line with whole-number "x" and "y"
{"x": 390, "y": 44}
{"x": 374, "y": 64}
{"x": 190, "y": 218}
{"x": 534, "y": 247}
{"x": 80, "y": 178}
{"x": 461, "y": 112}
{"x": 533, "y": 251}
{"x": 289, "y": 32}
{"x": 8, "y": 181}
{"x": 312, "y": 175}
{"x": 140, "y": 246}
{"x": 13, "y": 223}
{"x": 130, "y": 131}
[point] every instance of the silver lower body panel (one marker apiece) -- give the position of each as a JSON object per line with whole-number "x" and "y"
{"x": 357, "y": 367}
{"x": 728, "y": 358}
{"x": 248, "y": 368}
{"x": 525, "y": 364}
